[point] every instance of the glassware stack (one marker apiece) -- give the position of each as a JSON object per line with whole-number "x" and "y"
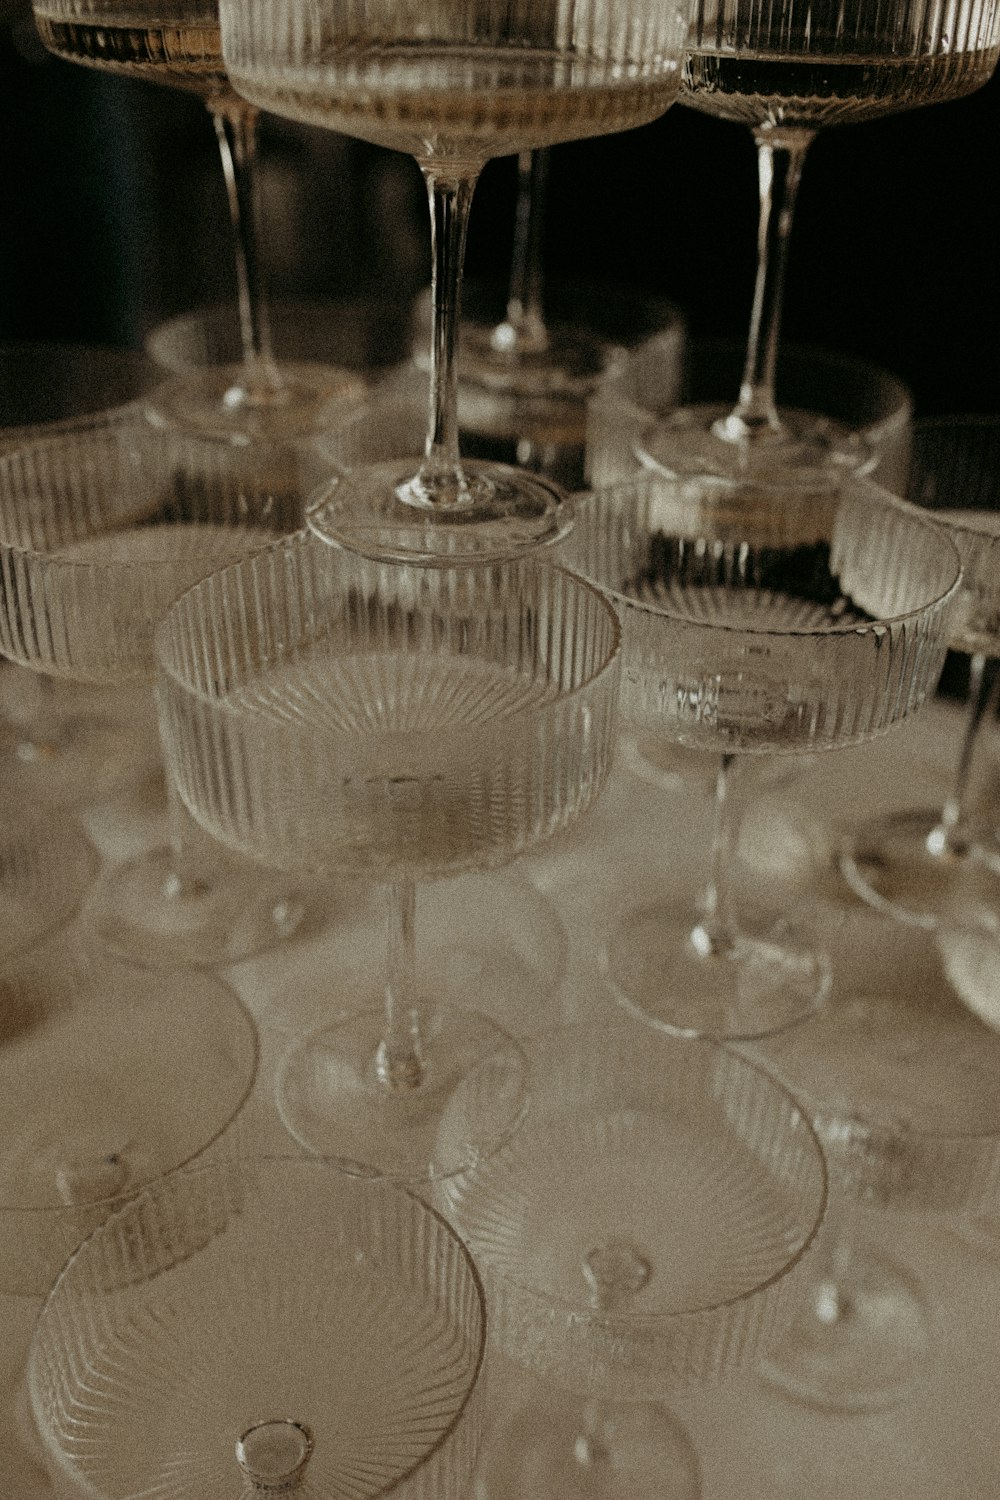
{"x": 408, "y": 688}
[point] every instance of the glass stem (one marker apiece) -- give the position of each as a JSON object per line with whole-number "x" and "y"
{"x": 780, "y": 158}
{"x": 236, "y": 131}
{"x": 717, "y": 932}
{"x": 186, "y": 878}
{"x": 524, "y": 328}
{"x": 831, "y": 1283}
{"x": 399, "y": 1061}
{"x": 441, "y": 481}
{"x": 597, "y": 1419}
{"x": 949, "y": 838}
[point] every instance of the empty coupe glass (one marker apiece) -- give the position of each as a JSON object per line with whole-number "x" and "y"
{"x": 921, "y": 865}
{"x": 452, "y": 86}
{"x": 275, "y": 1329}
{"x": 902, "y": 1083}
{"x": 100, "y": 529}
{"x": 642, "y": 1231}
{"x": 756, "y": 621}
{"x": 326, "y": 714}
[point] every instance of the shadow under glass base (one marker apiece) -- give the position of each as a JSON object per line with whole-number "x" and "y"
{"x": 893, "y": 868}
{"x": 703, "y": 441}
{"x": 507, "y": 512}
{"x": 756, "y": 988}
{"x": 858, "y": 1347}
{"x": 543, "y": 1454}
{"x": 333, "y": 1103}
{"x": 139, "y": 911}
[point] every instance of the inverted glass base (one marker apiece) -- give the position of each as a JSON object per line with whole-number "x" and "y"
{"x": 333, "y": 1101}
{"x": 708, "y": 441}
{"x": 858, "y": 1346}
{"x": 757, "y": 987}
{"x": 141, "y": 912}
{"x": 544, "y": 1453}
{"x": 896, "y": 866}
{"x": 228, "y": 402}
{"x": 381, "y": 512}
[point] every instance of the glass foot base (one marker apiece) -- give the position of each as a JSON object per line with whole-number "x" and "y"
{"x": 507, "y": 512}
{"x": 760, "y": 986}
{"x": 644, "y": 1454}
{"x": 139, "y": 912}
{"x": 221, "y": 402}
{"x": 892, "y": 868}
{"x": 471, "y": 1098}
{"x": 567, "y": 367}
{"x": 89, "y": 758}
{"x": 705, "y": 442}
{"x": 865, "y": 1357}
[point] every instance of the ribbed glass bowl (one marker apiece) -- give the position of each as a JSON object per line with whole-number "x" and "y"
{"x": 325, "y": 713}
{"x": 695, "y": 1175}
{"x": 274, "y": 1328}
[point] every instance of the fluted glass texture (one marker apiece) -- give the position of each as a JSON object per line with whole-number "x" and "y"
{"x": 322, "y": 712}
{"x": 955, "y": 475}
{"x": 110, "y": 1076}
{"x": 474, "y": 81}
{"x": 103, "y": 526}
{"x": 175, "y": 42}
{"x": 758, "y": 622}
{"x": 283, "y": 1293}
{"x": 818, "y": 62}
{"x": 689, "y": 1170}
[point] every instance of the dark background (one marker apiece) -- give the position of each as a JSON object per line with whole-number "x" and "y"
{"x": 113, "y": 217}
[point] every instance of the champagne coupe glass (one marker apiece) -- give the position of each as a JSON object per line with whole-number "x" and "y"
{"x": 176, "y": 43}
{"x": 325, "y": 713}
{"x": 786, "y": 72}
{"x": 110, "y": 1075}
{"x": 276, "y": 1329}
{"x": 453, "y": 86}
{"x": 99, "y": 532}
{"x": 916, "y": 864}
{"x": 643, "y": 1230}
{"x": 64, "y": 750}
{"x": 756, "y": 621}
{"x": 902, "y": 1083}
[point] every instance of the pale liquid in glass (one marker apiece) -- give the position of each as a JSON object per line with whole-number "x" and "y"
{"x": 758, "y": 88}
{"x": 180, "y": 54}
{"x": 469, "y": 103}
{"x": 387, "y": 800}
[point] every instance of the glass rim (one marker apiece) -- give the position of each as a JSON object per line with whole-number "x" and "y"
{"x": 915, "y": 513}
{"x": 165, "y": 655}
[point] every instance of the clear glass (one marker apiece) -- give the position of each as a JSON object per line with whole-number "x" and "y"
{"x": 628, "y": 407}
{"x": 452, "y": 86}
{"x": 903, "y": 1086}
{"x": 924, "y": 864}
{"x": 94, "y": 1059}
{"x": 756, "y": 621}
{"x": 786, "y": 72}
{"x": 391, "y": 723}
{"x": 272, "y": 1329}
{"x": 100, "y": 529}
{"x": 59, "y": 751}
{"x": 645, "y": 1229}
{"x": 176, "y": 43}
